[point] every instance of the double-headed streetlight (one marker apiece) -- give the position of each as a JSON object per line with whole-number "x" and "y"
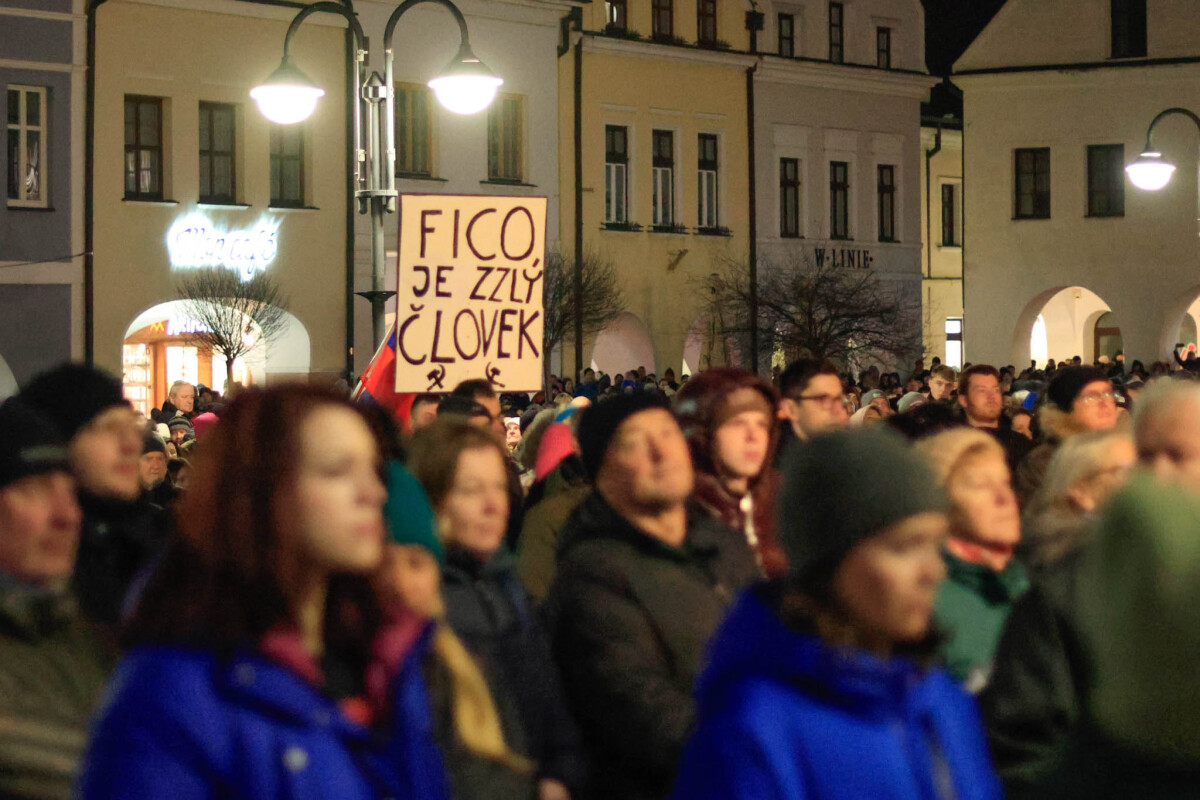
{"x": 288, "y": 96}
{"x": 1150, "y": 171}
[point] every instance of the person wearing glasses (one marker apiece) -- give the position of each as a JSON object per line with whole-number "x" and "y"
{"x": 812, "y": 398}
{"x": 1078, "y": 399}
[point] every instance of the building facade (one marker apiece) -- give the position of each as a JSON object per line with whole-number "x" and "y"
{"x": 942, "y": 238}
{"x": 1063, "y": 256}
{"x": 711, "y": 136}
{"x": 42, "y": 84}
{"x": 188, "y": 174}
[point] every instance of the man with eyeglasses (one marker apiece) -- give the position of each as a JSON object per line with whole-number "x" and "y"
{"x": 1078, "y": 399}
{"x": 122, "y": 531}
{"x": 812, "y": 398}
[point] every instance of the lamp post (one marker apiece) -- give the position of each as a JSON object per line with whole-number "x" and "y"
{"x": 1150, "y": 171}
{"x": 288, "y": 96}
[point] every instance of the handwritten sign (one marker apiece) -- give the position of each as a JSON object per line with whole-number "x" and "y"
{"x": 469, "y": 292}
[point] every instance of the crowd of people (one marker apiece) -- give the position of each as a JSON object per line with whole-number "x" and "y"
{"x": 940, "y": 585}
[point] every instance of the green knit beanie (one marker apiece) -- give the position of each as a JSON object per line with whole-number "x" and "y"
{"x": 409, "y": 518}
{"x": 844, "y": 487}
{"x": 1139, "y": 586}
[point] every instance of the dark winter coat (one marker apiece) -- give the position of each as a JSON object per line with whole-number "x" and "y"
{"x": 1016, "y": 446}
{"x": 117, "y": 541}
{"x": 489, "y": 609}
{"x": 712, "y": 495}
{"x": 1035, "y": 697}
{"x": 185, "y": 724}
{"x": 52, "y": 672}
{"x": 537, "y": 559}
{"x": 784, "y": 716}
{"x": 630, "y": 618}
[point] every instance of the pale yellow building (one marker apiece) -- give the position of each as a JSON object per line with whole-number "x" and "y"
{"x": 667, "y": 219}
{"x": 942, "y": 248}
{"x": 188, "y": 173}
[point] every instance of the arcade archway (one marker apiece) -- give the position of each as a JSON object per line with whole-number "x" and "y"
{"x": 1065, "y": 322}
{"x": 623, "y": 345}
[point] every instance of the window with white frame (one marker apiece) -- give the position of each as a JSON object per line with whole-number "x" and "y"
{"x": 27, "y": 144}
{"x": 707, "y": 184}
{"x": 954, "y": 342}
{"x": 616, "y": 174}
{"x": 664, "y": 179}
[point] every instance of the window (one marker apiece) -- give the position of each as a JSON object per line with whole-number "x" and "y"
{"x": 1032, "y": 183}
{"x": 836, "y": 33}
{"x": 706, "y": 182}
{"x": 616, "y": 14}
{"x": 789, "y": 198}
{"x": 1128, "y": 28}
{"x": 414, "y": 131}
{"x": 954, "y": 342}
{"x": 27, "y": 144}
{"x": 616, "y": 172}
{"x": 951, "y": 218}
{"x": 787, "y": 35}
{"x": 663, "y": 22}
{"x": 216, "y": 153}
{"x": 287, "y": 166}
{"x": 883, "y": 48}
{"x": 839, "y": 200}
{"x": 664, "y": 178}
{"x": 143, "y": 148}
{"x": 887, "y": 203}
{"x": 505, "y": 138}
{"x": 706, "y": 22}
{"x": 1106, "y": 180}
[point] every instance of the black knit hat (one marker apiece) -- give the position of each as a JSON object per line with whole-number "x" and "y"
{"x": 844, "y": 487}
{"x": 29, "y": 443}
{"x": 72, "y": 395}
{"x": 151, "y": 443}
{"x": 599, "y": 423}
{"x": 1068, "y": 383}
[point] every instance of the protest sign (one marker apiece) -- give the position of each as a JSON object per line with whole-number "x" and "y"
{"x": 469, "y": 291}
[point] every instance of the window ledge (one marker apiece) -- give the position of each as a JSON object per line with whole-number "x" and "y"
{"x": 147, "y": 202}
{"x": 1104, "y": 216}
{"x": 222, "y": 205}
{"x": 30, "y": 208}
{"x": 719, "y": 231}
{"x": 624, "y": 227}
{"x": 841, "y": 238}
{"x": 678, "y": 230}
{"x": 414, "y": 177}
{"x": 293, "y": 208}
{"x": 1026, "y": 219}
{"x": 949, "y": 247}
{"x": 889, "y": 241}
{"x": 501, "y": 182}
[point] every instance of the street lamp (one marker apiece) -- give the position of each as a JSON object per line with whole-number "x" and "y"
{"x": 288, "y": 96}
{"x": 1150, "y": 171}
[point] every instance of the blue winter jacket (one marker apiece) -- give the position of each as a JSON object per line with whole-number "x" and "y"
{"x": 784, "y": 716}
{"x": 182, "y": 724}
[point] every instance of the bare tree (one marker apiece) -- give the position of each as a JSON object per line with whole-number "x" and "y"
{"x": 233, "y": 316}
{"x": 603, "y": 301}
{"x": 817, "y": 310}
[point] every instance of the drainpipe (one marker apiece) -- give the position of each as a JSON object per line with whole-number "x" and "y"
{"x": 577, "y": 290}
{"x": 350, "y": 188}
{"x": 754, "y": 24}
{"x": 929, "y": 154}
{"x": 89, "y": 186}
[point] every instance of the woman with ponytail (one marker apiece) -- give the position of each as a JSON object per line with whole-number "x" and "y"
{"x": 466, "y": 723}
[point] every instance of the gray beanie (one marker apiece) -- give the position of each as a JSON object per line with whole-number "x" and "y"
{"x": 842, "y": 488}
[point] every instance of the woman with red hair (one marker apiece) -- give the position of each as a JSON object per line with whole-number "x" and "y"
{"x": 261, "y": 664}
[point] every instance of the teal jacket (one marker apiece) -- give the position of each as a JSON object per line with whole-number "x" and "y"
{"x": 971, "y": 608}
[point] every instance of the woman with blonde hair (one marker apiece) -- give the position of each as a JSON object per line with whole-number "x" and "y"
{"x": 466, "y": 723}
{"x": 983, "y": 580}
{"x": 462, "y": 469}
{"x": 1035, "y": 697}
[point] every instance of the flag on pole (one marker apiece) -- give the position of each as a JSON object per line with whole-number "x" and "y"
{"x": 377, "y": 386}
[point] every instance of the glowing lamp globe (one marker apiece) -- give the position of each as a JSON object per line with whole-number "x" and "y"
{"x": 288, "y": 96}
{"x": 1150, "y": 171}
{"x": 466, "y": 86}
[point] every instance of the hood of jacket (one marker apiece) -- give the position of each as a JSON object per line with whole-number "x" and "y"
{"x": 754, "y": 642}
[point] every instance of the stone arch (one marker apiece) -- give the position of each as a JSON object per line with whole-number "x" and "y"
{"x": 1069, "y": 314}
{"x": 624, "y": 344}
{"x": 1185, "y": 305}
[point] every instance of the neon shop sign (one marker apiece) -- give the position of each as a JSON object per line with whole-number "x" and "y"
{"x": 194, "y": 242}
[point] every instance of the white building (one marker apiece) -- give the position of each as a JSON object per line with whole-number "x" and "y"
{"x": 1063, "y": 256}
{"x": 942, "y": 235}
{"x": 509, "y": 149}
